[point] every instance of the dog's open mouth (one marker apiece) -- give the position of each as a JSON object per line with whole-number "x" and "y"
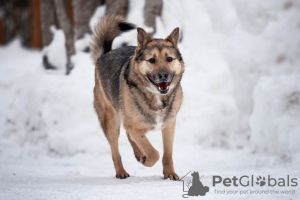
{"x": 162, "y": 87}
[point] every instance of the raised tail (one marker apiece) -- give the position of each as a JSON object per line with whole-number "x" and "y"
{"x": 105, "y": 32}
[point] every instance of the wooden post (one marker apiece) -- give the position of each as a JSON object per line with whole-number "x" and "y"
{"x": 1, "y": 31}
{"x": 36, "y": 40}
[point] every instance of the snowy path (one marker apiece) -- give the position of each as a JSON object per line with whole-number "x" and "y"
{"x": 92, "y": 177}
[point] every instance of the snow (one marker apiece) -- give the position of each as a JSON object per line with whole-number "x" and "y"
{"x": 83, "y": 43}
{"x": 45, "y": 110}
{"x": 97, "y": 16}
{"x": 276, "y": 116}
{"x": 85, "y": 176}
{"x": 240, "y": 114}
{"x": 56, "y": 51}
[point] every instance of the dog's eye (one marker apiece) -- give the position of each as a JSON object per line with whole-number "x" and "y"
{"x": 169, "y": 59}
{"x": 152, "y": 60}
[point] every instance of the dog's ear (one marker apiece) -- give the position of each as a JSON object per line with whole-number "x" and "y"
{"x": 143, "y": 38}
{"x": 173, "y": 37}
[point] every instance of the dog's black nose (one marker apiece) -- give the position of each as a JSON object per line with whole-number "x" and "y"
{"x": 163, "y": 76}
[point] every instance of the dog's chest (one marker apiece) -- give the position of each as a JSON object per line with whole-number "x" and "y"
{"x": 160, "y": 115}
{"x": 159, "y": 122}
{"x": 154, "y": 113}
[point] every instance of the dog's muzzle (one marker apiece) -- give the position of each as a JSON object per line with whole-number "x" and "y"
{"x": 162, "y": 81}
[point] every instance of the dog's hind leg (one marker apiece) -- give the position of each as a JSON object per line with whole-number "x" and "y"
{"x": 136, "y": 150}
{"x": 167, "y": 160}
{"x": 110, "y": 123}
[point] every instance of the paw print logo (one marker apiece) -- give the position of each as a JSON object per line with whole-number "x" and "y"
{"x": 261, "y": 181}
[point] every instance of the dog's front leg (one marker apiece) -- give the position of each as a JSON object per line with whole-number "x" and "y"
{"x": 151, "y": 155}
{"x": 168, "y": 137}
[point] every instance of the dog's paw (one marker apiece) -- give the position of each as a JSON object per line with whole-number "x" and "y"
{"x": 141, "y": 159}
{"x": 148, "y": 160}
{"x": 171, "y": 176}
{"x": 151, "y": 158}
{"x": 122, "y": 175}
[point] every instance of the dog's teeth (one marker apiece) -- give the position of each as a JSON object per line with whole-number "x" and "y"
{"x": 162, "y": 89}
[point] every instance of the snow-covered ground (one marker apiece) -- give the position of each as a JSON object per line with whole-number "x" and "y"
{"x": 92, "y": 177}
{"x": 240, "y": 114}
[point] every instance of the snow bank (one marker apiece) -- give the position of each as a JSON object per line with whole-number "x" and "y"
{"x": 56, "y": 51}
{"x": 83, "y": 43}
{"x": 53, "y": 112}
{"x": 275, "y": 121}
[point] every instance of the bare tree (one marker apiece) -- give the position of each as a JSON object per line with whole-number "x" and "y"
{"x": 83, "y": 11}
{"x": 47, "y": 20}
{"x": 53, "y": 12}
{"x": 118, "y": 7}
{"x": 152, "y": 9}
{"x": 65, "y": 23}
{"x": 17, "y": 21}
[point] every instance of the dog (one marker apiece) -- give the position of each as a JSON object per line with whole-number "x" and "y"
{"x": 139, "y": 86}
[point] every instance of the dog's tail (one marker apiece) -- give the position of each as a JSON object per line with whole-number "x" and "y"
{"x": 105, "y": 32}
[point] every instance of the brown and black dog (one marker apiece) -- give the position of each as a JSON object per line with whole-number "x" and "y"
{"x": 139, "y": 86}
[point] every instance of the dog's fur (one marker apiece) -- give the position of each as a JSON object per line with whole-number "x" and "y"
{"x": 127, "y": 90}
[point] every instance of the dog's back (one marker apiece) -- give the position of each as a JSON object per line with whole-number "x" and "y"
{"x": 110, "y": 67}
{"x": 109, "y": 63}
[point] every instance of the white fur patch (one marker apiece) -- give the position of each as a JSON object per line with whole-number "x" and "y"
{"x": 159, "y": 123}
{"x": 159, "y": 119}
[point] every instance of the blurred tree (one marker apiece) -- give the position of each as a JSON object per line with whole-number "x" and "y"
{"x": 47, "y": 20}
{"x": 83, "y": 11}
{"x": 152, "y": 9}
{"x": 1, "y": 22}
{"x": 65, "y": 24}
{"x": 17, "y": 20}
{"x": 36, "y": 40}
{"x": 22, "y": 18}
{"x": 116, "y": 7}
{"x": 54, "y": 12}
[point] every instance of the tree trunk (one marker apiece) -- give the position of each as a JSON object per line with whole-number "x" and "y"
{"x": 117, "y": 7}
{"x": 83, "y": 11}
{"x": 17, "y": 21}
{"x": 47, "y": 20}
{"x": 65, "y": 23}
{"x": 152, "y": 9}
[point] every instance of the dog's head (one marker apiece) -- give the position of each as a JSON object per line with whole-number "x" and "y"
{"x": 158, "y": 62}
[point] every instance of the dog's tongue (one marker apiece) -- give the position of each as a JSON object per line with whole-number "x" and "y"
{"x": 163, "y": 85}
